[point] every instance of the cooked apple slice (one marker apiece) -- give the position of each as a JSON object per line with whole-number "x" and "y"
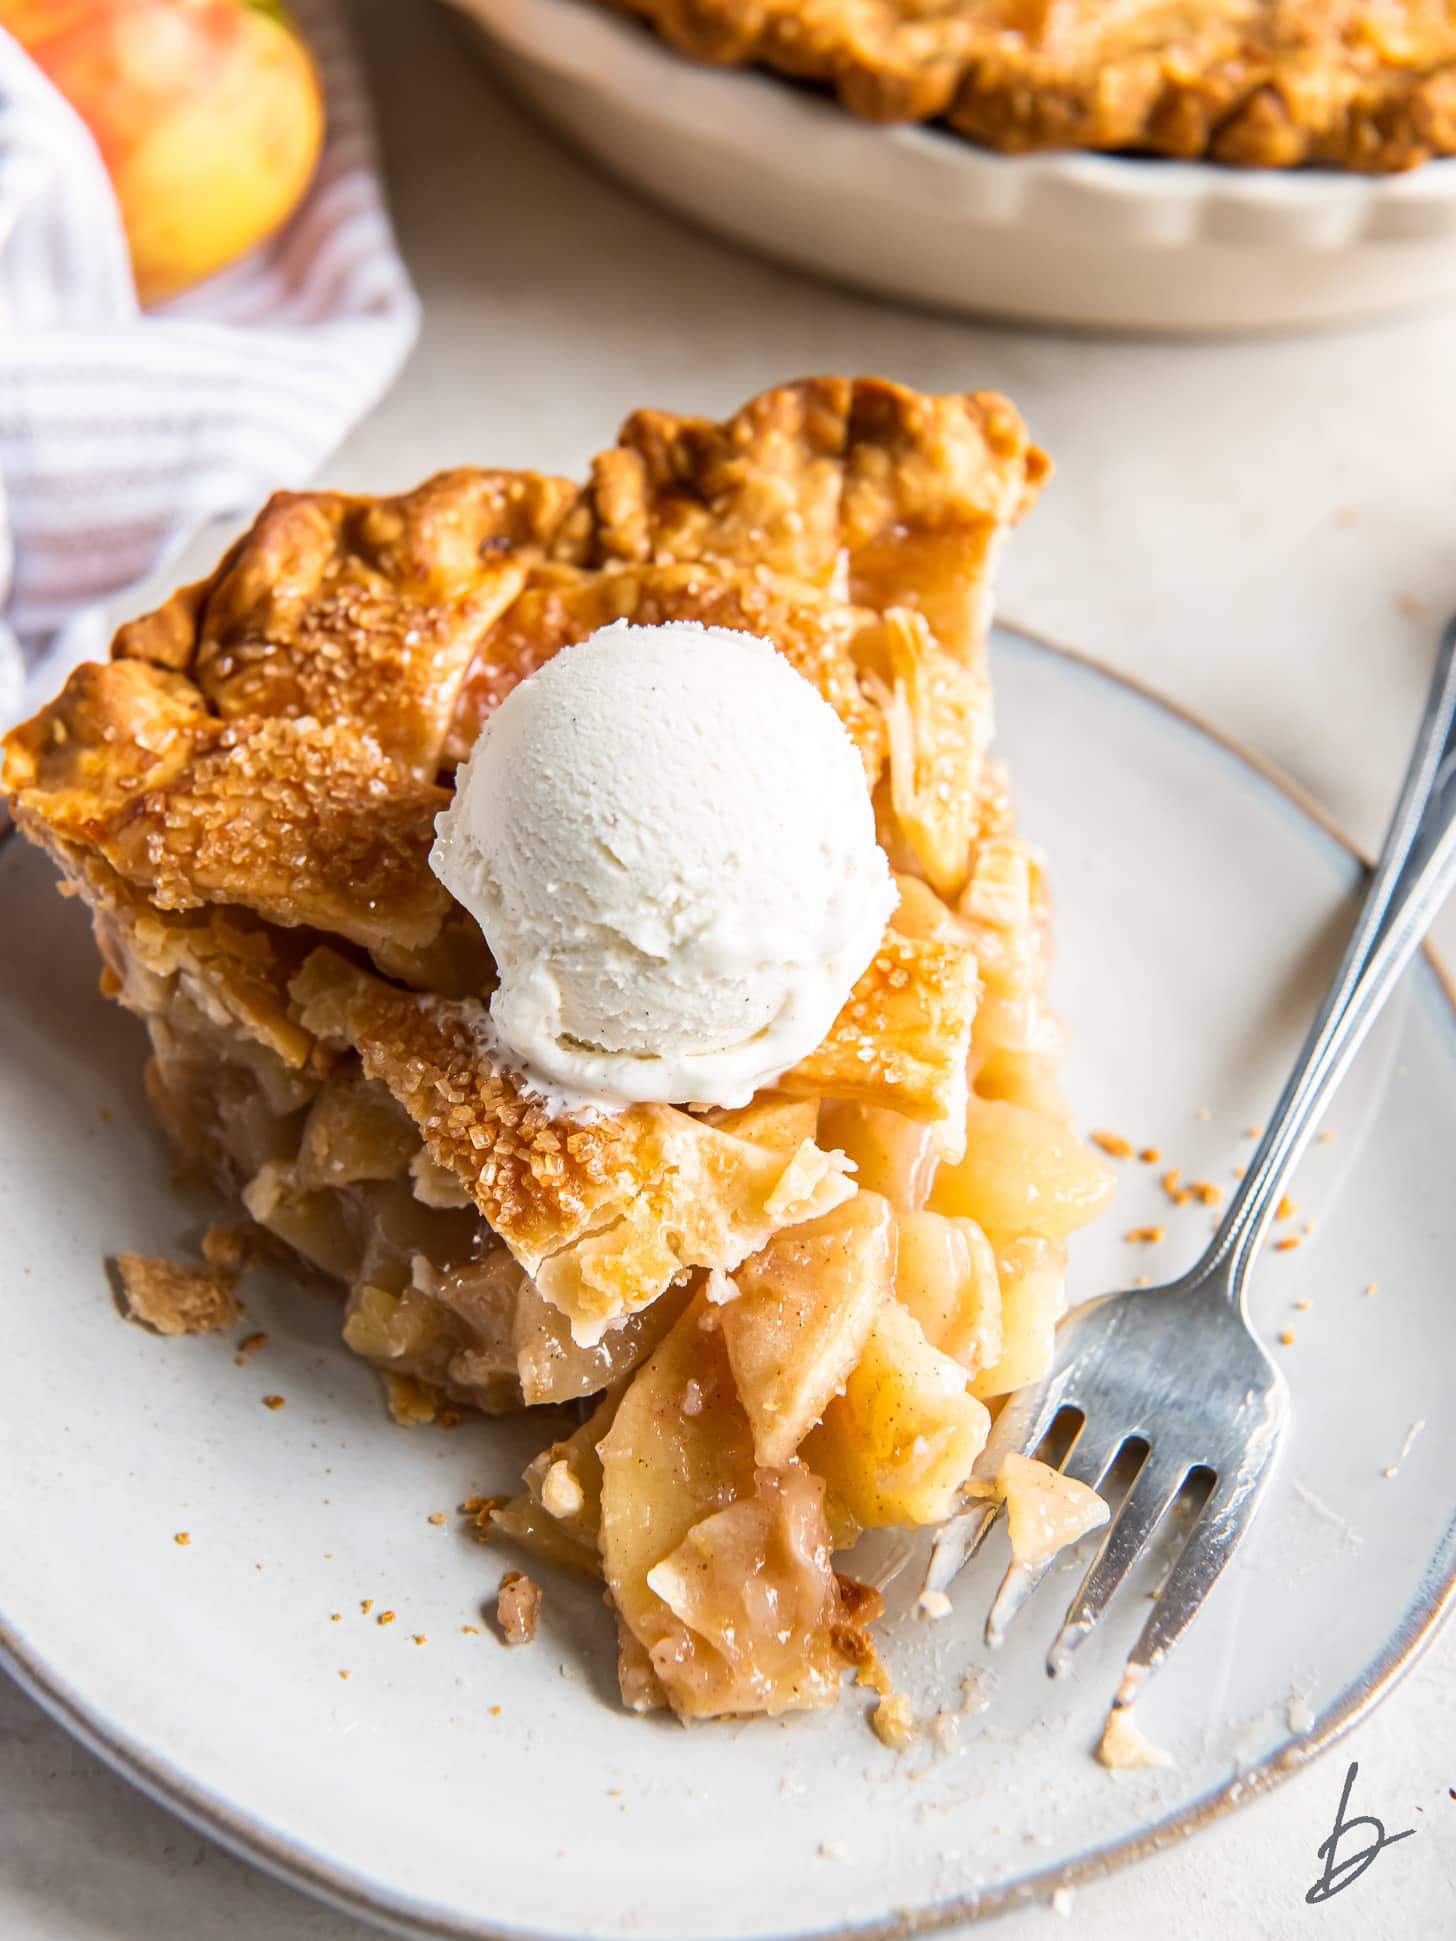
{"x": 892, "y": 1155}
{"x": 898, "y": 1445}
{"x": 679, "y": 1449}
{"x": 719, "y": 1571}
{"x": 754, "y": 1584}
{"x": 1022, "y": 1173}
{"x": 1004, "y": 906}
{"x": 406, "y": 1333}
{"x": 553, "y": 1368}
{"x": 355, "y": 1129}
{"x": 938, "y": 717}
{"x": 1025, "y": 1078}
{"x": 921, "y": 914}
{"x": 805, "y": 1306}
{"x": 1045, "y": 1510}
{"x": 1032, "y": 1272}
{"x": 559, "y": 1517}
{"x": 945, "y": 1273}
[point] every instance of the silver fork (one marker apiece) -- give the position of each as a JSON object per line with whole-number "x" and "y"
{"x": 1176, "y": 1372}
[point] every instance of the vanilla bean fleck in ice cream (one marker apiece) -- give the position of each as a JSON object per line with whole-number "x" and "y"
{"x": 666, "y": 838}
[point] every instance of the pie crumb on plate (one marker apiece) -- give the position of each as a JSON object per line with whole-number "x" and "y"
{"x": 173, "y": 1299}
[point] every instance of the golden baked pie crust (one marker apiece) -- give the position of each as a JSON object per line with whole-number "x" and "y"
{"x": 1356, "y": 84}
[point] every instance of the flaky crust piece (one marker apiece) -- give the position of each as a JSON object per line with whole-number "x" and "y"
{"x": 1355, "y": 84}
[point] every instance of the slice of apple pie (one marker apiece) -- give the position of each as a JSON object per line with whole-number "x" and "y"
{"x": 780, "y": 1320}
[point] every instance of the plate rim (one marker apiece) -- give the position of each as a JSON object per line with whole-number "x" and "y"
{"x": 253, "y": 1841}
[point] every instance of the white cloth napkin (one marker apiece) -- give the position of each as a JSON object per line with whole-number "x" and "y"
{"x": 121, "y": 432}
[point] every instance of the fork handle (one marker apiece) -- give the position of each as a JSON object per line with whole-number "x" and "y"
{"x": 1417, "y": 868}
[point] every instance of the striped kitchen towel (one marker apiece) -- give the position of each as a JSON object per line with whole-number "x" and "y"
{"x": 121, "y": 431}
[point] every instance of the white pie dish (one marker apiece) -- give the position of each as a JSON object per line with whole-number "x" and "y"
{"x": 398, "y": 1793}
{"x": 1095, "y": 241}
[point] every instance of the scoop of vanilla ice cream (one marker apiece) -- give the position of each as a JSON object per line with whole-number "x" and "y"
{"x": 666, "y": 837}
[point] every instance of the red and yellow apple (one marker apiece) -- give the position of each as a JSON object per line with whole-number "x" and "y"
{"x": 207, "y": 114}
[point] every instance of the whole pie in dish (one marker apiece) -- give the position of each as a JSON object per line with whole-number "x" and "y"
{"x": 775, "y": 1325}
{"x": 1355, "y": 84}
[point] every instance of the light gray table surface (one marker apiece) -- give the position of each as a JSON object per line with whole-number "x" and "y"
{"x": 1265, "y": 531}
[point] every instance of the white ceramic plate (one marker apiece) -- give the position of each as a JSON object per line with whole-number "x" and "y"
{"x": 459, "y": 1788}
{"x": 915, "y": 214}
